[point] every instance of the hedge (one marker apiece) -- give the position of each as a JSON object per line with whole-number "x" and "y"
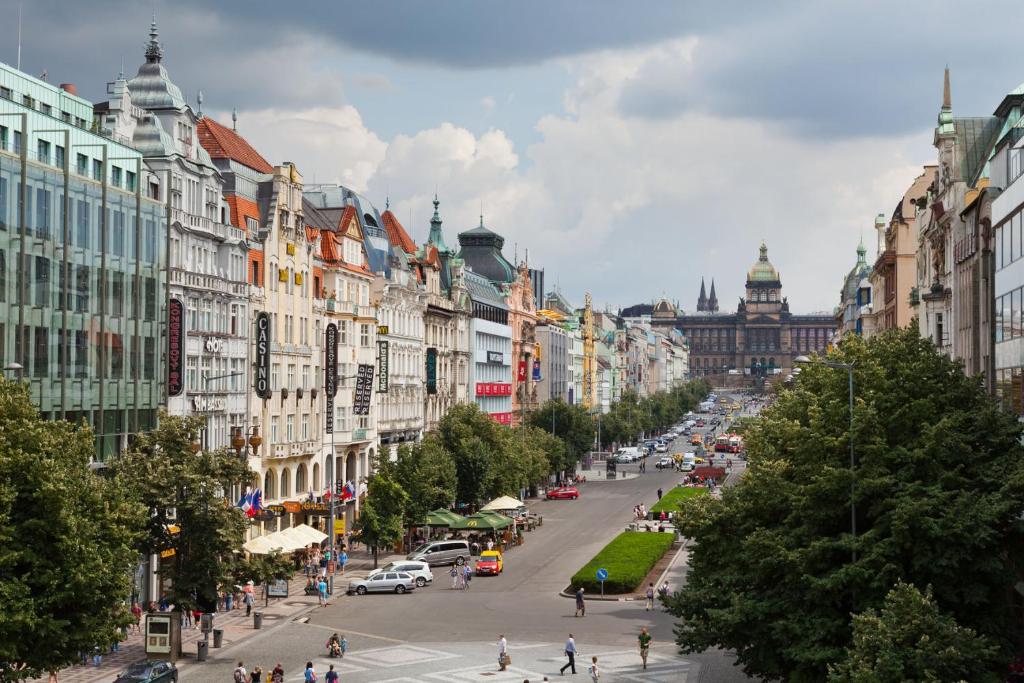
{"x": 674, "y": 497}
{"x": 628, "y": 558}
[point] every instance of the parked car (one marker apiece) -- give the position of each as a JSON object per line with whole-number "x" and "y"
{"x": 661, "y": 448}
{"x": 695, "y": 440}
{"x": 145, "y": 671}
{"x": 665, "y": 462}
{"x": 441, "y": 552}
{"x": 564, "y": 492}
{"x": 388, "y": 582}
{"x": 490, "y": 562}
{"x": 420, "y": 571}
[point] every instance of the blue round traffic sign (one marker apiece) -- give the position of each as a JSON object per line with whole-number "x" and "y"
{"x": 602, "y": 574}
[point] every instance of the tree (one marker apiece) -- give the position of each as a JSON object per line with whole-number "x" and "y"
{"x": 67, "y": 542}
{"x": 910, "y": 640}
{"x": 262, "y": 569}
{"x": 380, "y": 517}
{"x": 167, "y": 473}
{"x": 571, "y": 424}
{"x": 481, "y": 450}
{"x": 939, "y": 491}
{"x": 426, "y": 472}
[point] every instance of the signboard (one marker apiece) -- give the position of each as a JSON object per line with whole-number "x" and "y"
{"x": 382, "y": 365}
{"x": 493, "y": 389}
{"x": 602, "y": 574}
{"x": 521, "y": 374}
{"x": 496, "y": 357}
{"x": 330, "y": 374}
{"x": 339, "y": 527}
{"x": 278, "y": 510}
{"x": 431, "y": 370}
{"x": 175, "y": 348}
{"x": 536, "y": 371}
{"x": 610, "y": 472}
{"x": 315, "y": 508}
{"x": 262, "y": 383}
{"x": 277, "y": 589}
{"x": 382, "y": 329}
{"x": 364, "y": 390}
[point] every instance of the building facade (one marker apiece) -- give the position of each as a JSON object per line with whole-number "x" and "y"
{"x": 760, "y": 339}
{"x": 83, "y": 258}
{"x": 490, "y": 377}
{"x": 854, "y": 310}
{"x": 552, "y": 340}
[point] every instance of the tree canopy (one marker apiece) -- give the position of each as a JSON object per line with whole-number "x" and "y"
{"x": 939, "y": 492}
{"x": 569, "y": 423}
{"x": 67, "y": 542}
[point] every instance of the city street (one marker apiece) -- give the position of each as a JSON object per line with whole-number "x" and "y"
{"x": 441, "y": 634}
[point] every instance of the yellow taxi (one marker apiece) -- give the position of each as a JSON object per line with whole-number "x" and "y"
{"x": 699, "y": 460}
{"x": 490, "y": 562}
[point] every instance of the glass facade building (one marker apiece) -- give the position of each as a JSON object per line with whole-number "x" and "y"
{"x": 82, "y": 264}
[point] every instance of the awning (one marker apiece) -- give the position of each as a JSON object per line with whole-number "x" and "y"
{"x": 310, "y": 534}
{"x": 442, "y": 518}
{"x": 261, "y": 545}
{"x": 503, "y": 503}
{"x": 482, "y": 521}
{"x": 286, "y": 540}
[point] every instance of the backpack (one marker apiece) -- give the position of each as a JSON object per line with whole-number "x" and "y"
{"x": 239, "y": 676}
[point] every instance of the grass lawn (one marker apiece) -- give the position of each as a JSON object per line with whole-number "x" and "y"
{"x": 673, "y": 497}
{"x": 628, "y": 559}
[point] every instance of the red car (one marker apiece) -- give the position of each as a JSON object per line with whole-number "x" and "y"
{"x": 563, "y": 492}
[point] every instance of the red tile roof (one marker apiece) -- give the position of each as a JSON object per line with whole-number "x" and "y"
{"x": 223, "y": 143}
{"x": 242, "y": 208}
{"x": 397, "y": 234}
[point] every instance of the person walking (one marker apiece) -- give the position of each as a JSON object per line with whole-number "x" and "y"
{"x": 322, "y": 592}
{"x": 649, "y": 595}
{"x": 248, "y": 597}
{"x": 659, "y": 494}
{"x": 256, "y": 675}
{"x": 595, "y": 673}
{"x": 581, "y": 606}
{"x": 454, "y": 573}
{"x": 240, "y": 676}
{"x": 645, "y": 644}
{"x": 342, "y": 560}
{"x": 503, "y": 659}
{"x": 309, "y": 676}
{"x": 137, "y": 613}
{"x": 277, "y": 675}
{"x": 570, "y": 652}
{"x": 467, "y": 576}
{"x": 331, "y": 676}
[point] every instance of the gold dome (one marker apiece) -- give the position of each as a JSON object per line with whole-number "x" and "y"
{"x": 763, "y": 270}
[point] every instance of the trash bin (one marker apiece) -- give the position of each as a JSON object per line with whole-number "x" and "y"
{"x": 257, "y": 619}
{"x": 203, "y": 649}
{"x": 218, "y": 637}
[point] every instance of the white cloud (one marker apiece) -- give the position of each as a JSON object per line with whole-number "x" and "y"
{"x": 488, "y": 102}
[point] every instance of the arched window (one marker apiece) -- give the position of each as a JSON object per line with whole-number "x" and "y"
{"x": 270, "y": 485}
{"x": 285, "y": 486}
{"x": 300, "y": 480}
{"x": 316, "y": 477}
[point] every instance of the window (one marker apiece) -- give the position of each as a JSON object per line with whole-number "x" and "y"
{"x": 151, "y": 298}
{"x": 97, "y": 170}
{"x": 273, "y": 433}
{"x": 3, "y": 202}
{"x": 82, "y": 277}
{"x": 43, "y": 199}
{"x": 192, "y": 373}
{"x": 43, "y": 151}
{"x": 129, "y": 183}
{"x": 343, "y": 333}
{"x": 117, "y": 294}
{"x": 149, "y": 359}
{"x": 3, "y": 287}
{"x": 305, "y": 427}
{"x": 290, "y": 428}
{"x": 82, "y": 164}
{"x": 291, "y": 376}
{"x": 41, "y": 352}
{"x": 255, "y": 273}
{"x": 59, "y": 156}
{"x": 81, "y": 360}
{"x": 275, "y": 376}
{"x": 364, "y": 335}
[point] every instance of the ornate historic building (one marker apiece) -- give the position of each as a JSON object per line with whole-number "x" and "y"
{"x": 761, "y": 337}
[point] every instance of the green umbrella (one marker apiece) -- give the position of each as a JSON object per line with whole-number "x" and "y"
{"x": 480, "y": 522}
{"x": 443, "y": 518}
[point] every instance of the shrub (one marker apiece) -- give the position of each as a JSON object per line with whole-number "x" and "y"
{"x": 671, "y": 501}
{"x": 628, "y": 559}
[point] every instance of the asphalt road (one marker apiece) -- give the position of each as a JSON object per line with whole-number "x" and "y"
{"x": 436, "y": 633}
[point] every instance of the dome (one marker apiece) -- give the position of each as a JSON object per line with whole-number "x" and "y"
{"x": 763, "y": 270}
{"x": 664, "y": 308}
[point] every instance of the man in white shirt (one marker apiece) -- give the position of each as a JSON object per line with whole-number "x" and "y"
{"x": 502, "y": 652}
{"x": 570, "y": 652}
{"x": 594, "y": 672}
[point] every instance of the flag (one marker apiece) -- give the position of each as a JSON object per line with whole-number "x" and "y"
{"x": 245, "y": 502}
{"x": 257, "y": 503}
{"x": 348, "y": 492}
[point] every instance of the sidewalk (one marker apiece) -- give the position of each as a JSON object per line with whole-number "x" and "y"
{"x": 237, "y": 627}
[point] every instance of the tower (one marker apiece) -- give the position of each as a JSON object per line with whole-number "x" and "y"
{"x": 702, "y": 300}
{"x": 713, "y": 300}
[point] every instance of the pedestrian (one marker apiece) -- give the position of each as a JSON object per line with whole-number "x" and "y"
{"x": 309, "y": 676}
{"x": 277, "y": 675}
{"x": 659, "y": 494}
{"x": 256, "y": 675}
{"x": 570, "y": 652}
{"x": 581, "y": 606}
{"x": 649, "y": 595}
{"x": 664, "y": 590}
{"x": 137, "y": 613}
{"x": 467, "y": 575}
{"x": 97, "y": 656}
{"x": 343, "y": 644}
{"x": 331, "y": 676}
{"x": 645, "y": 644}
{"x": 239, "y": 675}
{"x": 342, "y": 560}
{"x": 595, "y": 673}
{"x": 322, "y": 592}
{"x": 503, "y": 658}
{"x": 454, "y": 573}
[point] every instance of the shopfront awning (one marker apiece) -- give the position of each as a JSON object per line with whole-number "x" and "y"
{"x": 443, "y": 518}
{"x": 286, "y": 540}
{"x": 482, "y": 521}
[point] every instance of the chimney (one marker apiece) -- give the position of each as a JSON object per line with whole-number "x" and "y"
{"x": 69, "y": 88}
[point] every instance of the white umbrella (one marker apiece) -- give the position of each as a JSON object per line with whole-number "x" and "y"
{"x": 261, "y": 545}
{"x": 311, "y": 534}
{"x": 503, "y": 503}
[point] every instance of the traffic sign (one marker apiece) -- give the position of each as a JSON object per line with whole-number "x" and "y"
{"x": 602, "y": 574}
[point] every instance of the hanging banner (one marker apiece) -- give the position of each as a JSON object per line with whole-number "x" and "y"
{"x": 536, "y": 371}
{"x": 364, "y": 390}
{"x": 382, "y": 365}
{"x": 262, "y": 379}
{"x": 330, "y": 373}
{"x": 431, "y": 370}
{"x": 522, "y": 371}
{"x": 175, "y": 348}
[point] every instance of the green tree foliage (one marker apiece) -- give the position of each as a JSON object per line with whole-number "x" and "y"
{"x": 165, "y": 473}
{"x": 67, "y": 542}
{"x": 263, "y": 569}
{"x": 939, "y": 490}
{"x": 426, "y": 472}
{"x": 380, "y": 518}
{"x": 909, "y": 641}
{"x": 572, "y": 425}
{"x": 633, "y": 415}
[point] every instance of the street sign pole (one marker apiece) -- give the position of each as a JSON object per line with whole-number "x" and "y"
{"x": 602, "y": 574}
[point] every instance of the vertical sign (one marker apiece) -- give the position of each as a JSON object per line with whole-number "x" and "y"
{"x": 364, "y": 390}
{"x": 262, "y": 378}
{"x": 522, "y": 371}
{"x": 431, "y": 370}
{"x": 382, "y": 364}
{"x": 330, "y": 373}
{"x": 175, "y": 350}
{"x": 536, "y": 370}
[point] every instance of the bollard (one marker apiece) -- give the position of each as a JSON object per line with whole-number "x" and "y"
{"x": 203, "y": 649}
{"x": 218, "y": 637}
{"x": 257, "y": 619}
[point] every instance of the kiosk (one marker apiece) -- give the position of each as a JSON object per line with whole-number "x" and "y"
{"x": 163, "y": 636}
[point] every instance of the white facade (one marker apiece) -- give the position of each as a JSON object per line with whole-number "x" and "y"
{"x": 492, "y": 367}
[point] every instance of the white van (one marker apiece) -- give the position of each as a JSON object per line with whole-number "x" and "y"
{"x": 689, "y": 462}
{"x": 628, "y": 454}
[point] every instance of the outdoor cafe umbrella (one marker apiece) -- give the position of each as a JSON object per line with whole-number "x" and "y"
{"x": 503, "y": 503}
{"x": 443, "y": 518}
{"x": 483, "y": 521}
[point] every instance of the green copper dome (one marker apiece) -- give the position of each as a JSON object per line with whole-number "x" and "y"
{"x": 763, "y": 270}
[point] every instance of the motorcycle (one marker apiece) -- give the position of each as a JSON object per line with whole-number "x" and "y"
{"x": 333, "y": 648}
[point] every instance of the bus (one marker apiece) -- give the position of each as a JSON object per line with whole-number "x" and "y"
{"x": 735, "y": 444}
{"x": 722, "y": 443}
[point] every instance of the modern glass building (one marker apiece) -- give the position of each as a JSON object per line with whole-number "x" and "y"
{"x": 83, "y": 237}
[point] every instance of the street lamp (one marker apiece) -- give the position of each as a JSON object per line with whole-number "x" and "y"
{"x": 16, "y": 368}
{"x": 804, "y": 360}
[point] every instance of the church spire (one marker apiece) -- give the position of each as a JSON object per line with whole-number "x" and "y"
{"x": 713, "y": 300}
{"x": 436, "y": 235}
{"x": 702, "y": 300}
{"x": 946, "y": 126}
{"x": 154, "y": 52}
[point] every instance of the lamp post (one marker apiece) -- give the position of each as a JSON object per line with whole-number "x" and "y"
{"x": 804, "y": 360}
{"x": 15, "y": 368}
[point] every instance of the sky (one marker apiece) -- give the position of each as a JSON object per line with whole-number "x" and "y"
{"x": 628, "y": 149}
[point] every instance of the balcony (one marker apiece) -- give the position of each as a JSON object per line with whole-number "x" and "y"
{"x": 212, "y": 283}
{"x": 219, "y": 230}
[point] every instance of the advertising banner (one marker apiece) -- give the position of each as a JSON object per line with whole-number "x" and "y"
{"x": 431, "y": 370}
{"x": 330, "y": 373}
{"x": 175, "y": 348}
{"x": 382, "y": 365}
{"x": 262, "y": 378}
{"x": 364, "y": 390}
